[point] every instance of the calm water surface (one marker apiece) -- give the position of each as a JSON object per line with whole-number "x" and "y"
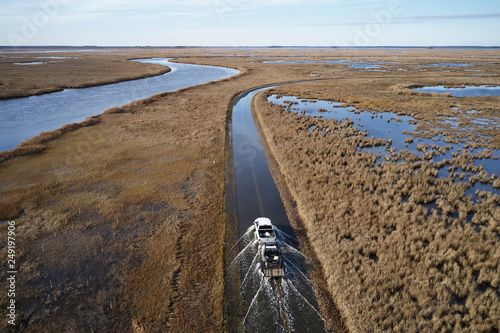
{"x": 283, "y": 305}
{"x": 23, "y": 118}
{"x": 467, "y": 91}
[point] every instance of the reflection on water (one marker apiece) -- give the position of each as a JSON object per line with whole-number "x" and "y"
{"x": 467, "y": 91}
{"x": 284, "y": 305}
{"x": 398, "y": 129}
{"x": 23, "y": 118}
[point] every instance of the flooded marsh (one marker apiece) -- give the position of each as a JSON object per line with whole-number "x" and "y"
{"x": 399, "y": 192}
{"x": 394, "y": 192}
{"x": 465, "y": 91}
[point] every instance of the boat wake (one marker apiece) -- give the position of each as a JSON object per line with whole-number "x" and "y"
{"x": 286, "y": 304}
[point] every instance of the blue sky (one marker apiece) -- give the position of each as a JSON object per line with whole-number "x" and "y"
{"x": 250, "y": 23}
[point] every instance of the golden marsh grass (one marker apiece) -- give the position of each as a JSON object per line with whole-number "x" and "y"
{"x": 390, "y": 263}
{"x": 120, "y": 224}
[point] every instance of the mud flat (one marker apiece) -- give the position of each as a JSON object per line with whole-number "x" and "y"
{"x": 403, "y": 247}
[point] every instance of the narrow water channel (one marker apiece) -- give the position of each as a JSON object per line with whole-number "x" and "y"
{"x": 23, "y": 118}
{"x": 268, "y": 305}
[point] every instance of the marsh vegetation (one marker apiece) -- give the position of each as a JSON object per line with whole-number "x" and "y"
{"x": 405, "y": 247}
{"x": 121, "y": 218}
{"x": 27, "y": 74}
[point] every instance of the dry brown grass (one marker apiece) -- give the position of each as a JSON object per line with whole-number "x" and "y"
{"x": 390, "y": 264}
{"x": 35, "y": 145}
{"x": 120, "y": 224}
{"x": 73, "y": 70}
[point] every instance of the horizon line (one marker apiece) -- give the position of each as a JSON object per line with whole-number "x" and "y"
{"x": 250, "y": 46}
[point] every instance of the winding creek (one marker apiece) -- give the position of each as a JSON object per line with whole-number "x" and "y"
{"x": 254, "y": 304}
{"x": 23, "y": 118}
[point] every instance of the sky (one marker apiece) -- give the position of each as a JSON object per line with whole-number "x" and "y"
{"x": 250, "y": 22}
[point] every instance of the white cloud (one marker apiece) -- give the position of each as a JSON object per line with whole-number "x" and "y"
{"x": 213, "y": 31}
{"x": 79, "y": 9}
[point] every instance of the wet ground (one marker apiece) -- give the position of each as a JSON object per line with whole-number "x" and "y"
{"x": 479, "y": 172}
{"x": 269, "y": 305}
{"x": 465, "y": 91}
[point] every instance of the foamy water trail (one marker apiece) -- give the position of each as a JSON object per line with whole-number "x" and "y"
{"x": 297, "y": 269}
{"x": 281, "y": 235}
{"x": 254, "y": 269}
{"x": 291, "y": 249}
{"x": 289, "y": 309}
{"x": 272, "y": 305}
{"x": 246, "y": 234}
{"x": 272, "y": 298}
{"x": 253, "y": 302}
{"x": 249, "y": 245}
{"x": 288, "y": 283}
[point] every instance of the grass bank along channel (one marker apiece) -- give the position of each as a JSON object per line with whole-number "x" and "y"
{"x": 255, "y": 304}
{"x": 23, "y": 118}
{"x": 404, "y": 246}
{"x": 117, "y": 219}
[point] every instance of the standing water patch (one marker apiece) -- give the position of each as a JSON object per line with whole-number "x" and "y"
{"x": 466, "y": 91}
{"x": 456, "y": 158}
